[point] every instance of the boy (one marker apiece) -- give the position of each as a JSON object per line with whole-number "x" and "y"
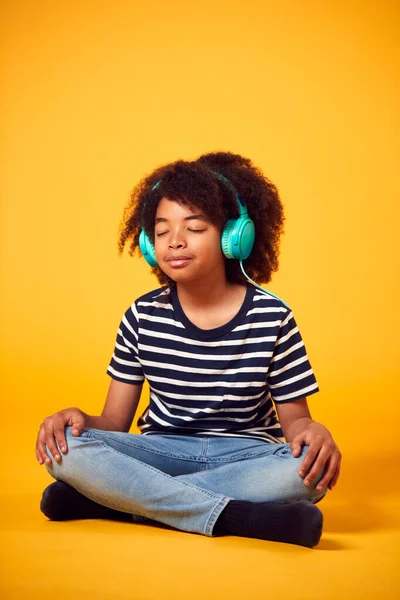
{"x": 219, "y": 354}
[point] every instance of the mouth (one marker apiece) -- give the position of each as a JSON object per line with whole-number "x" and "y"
{"x": 177, "y": 263}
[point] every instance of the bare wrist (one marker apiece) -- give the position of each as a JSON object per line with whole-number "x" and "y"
{"x": 99, "y": 422}
{"x": 298, "y": 426}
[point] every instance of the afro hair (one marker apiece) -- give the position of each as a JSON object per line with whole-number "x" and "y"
{"x": 193, "y": 183}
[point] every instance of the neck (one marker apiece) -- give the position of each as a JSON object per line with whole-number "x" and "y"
{"x": 203, "y": 294}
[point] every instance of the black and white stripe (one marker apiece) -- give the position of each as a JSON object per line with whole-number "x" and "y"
{"x": 216, "y": 382}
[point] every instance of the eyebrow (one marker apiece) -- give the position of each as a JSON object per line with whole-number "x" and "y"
{"x": 162, "y": 220}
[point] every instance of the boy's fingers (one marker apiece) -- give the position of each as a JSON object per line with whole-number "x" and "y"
{"x": 330, "y": 470}
{"x": 336, "y": 475}
{"x": 43, "y": 453}
{"x": 331, "y": 467}
{"x": 308, "y": 459}
{"x": 295, "y": 448}
{"x": 60, "y": 437}
{"x": 51, "y": 445}
{"x": 317, "y": 467}
{"x": 77, "y": 427}
{"x": 40, "y": 447}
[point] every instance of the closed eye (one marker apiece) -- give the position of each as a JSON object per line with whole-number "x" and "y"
{"x": 194, "y": 231}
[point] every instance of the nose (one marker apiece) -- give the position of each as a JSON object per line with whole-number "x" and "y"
{"x": 175, "y": 244}
{"x": 176, "y": 240}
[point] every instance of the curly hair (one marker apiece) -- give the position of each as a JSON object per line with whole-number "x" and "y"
{"x": 193, "y": 183}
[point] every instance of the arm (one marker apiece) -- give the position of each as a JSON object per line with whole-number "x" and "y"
{"x": 299, "y": 428}
{"x": 119, "y": 409}
{"x": 293, "y": 417}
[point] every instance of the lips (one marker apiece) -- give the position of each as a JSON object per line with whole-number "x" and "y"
{"x": 180, "y": 257}
{"x": 178, "y": 261}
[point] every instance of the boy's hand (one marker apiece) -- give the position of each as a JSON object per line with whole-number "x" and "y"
{"x": 322, "y": 453}
{"x": 53, "y": 429}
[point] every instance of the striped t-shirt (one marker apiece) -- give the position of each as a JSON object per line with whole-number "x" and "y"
{"x": 214, "y": 382}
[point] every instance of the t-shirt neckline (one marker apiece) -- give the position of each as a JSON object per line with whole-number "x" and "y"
{"x": 217, "y": 332}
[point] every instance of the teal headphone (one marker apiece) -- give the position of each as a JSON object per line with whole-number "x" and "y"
{"x": 237, "y": 239}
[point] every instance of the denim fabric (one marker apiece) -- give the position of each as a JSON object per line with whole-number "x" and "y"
{"x": 184, "y": 482}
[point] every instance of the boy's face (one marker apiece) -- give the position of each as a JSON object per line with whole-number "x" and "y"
{"x": 186, "y": 243}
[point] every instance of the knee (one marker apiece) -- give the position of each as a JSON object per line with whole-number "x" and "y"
{"x": 59, "y": 468}
{"x": 296, "y": 483}
{"x": 310, "y": 492}
{"x": 315, "y": 495}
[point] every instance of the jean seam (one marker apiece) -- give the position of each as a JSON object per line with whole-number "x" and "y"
{"x": 266, "y": 452}
{"x": 204, "y": 448}
{"x": 215, "y": 513}
{"x": 139, "y": 447}
{"x": 240, "y": 456}
{"x": 234, "y": 461}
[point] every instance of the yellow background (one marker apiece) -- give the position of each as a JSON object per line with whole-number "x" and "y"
{"x": 97, "y": 94}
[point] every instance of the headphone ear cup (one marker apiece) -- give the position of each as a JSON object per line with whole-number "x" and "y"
{"x": 238, "y": 237}
{"x": 147, "y": 249}
{"x": 247, "y": 236}
{"x": 226, "y": 244}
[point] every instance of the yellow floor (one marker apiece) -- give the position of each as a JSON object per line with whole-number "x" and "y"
{"x": 357, "y": 557}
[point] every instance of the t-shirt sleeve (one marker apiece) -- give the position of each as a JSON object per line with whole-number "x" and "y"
{"x": 290, "y": 375}
{"x": 124, "y": 365}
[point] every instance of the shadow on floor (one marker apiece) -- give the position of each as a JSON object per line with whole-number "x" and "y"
{"x": 366, "y": 496}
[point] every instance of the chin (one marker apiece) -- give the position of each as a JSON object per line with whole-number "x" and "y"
{"x": 180, "y": 276}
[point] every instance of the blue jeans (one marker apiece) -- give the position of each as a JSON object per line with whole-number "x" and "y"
{"x": 184, "y": 482}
